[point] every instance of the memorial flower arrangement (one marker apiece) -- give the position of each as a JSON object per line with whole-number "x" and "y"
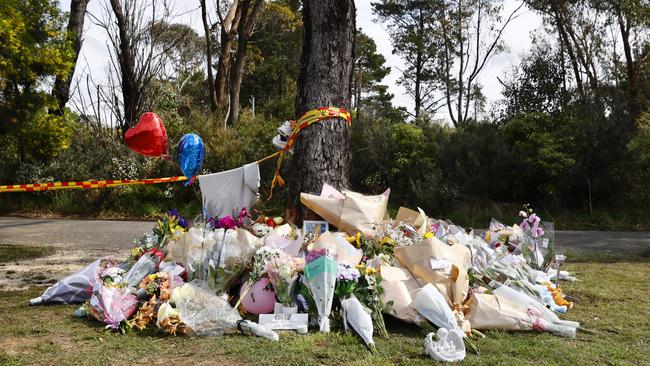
{"x": 186, "y": 277}
{"x": 283, "y": 272}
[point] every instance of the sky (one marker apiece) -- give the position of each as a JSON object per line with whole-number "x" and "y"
{"x": 94, "y": 53}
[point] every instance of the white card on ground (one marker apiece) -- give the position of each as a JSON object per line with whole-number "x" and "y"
{"x": 284, "y": 321}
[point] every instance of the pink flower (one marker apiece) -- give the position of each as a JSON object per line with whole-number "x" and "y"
{"x": 242, "y": 215}
{"x": 299, "y": 264}
{"x": 226, "y": 222}
{"x": 158, "y": 253}
{"x": 312, "y": 255}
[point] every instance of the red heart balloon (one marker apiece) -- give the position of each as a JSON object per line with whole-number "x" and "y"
{"x": 148, "y": 137}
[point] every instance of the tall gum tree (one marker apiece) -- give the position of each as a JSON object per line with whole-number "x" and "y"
{"x": 322, "y": 150}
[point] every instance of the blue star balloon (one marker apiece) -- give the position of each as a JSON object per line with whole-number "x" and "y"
{"x": 190, "y": 155}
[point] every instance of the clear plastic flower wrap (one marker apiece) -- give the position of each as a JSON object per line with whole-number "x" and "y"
{"x": 228, "y": 257}
{"x": 190, "y": 250}
{"x": 210, "y": 315}
{"x": 112, "y": 305}
{"x": 146, "y": 265}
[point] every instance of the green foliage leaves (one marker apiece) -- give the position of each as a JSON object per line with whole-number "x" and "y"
{"x": 35, "y": 50}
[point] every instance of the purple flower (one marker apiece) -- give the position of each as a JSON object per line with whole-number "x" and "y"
{"x": 532, "y": 224}
{"x": 312, "y": 255}
{"x": 347, "y": 273}
{"x": 181, "y": 220}
{"x": 212, "y": 222}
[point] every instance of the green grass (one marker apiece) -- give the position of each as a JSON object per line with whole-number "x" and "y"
{"x": 478, "y": 214}
{"x": 613, "y": 300}
{"x": 12, "y": 253}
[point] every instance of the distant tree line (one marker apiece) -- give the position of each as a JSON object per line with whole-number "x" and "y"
{"x": 571, "y": 131}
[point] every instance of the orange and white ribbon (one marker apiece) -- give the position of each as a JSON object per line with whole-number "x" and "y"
{"x": 88, "y": 184}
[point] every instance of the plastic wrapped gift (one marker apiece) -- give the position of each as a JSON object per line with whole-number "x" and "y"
{"x": 352, "y": 213}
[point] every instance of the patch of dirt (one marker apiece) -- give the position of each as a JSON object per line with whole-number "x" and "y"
{"x": 191, "y": 360}
{"x": 45, "y": 271}
{"x": 16, "y": 346}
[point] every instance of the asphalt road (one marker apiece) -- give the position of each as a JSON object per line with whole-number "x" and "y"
{"x": 118, "y": 235}
{"x": 84, "y": 234}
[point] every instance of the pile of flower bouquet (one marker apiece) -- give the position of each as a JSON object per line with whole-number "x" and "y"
{"x": 216, "y": 275}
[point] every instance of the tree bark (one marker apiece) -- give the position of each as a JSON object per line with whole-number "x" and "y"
{"x": 126, "y": 57}
{"x": 564, "y": 38}
{"x": 630, "y": 66}
{"x": 322, "y": 151}
{"x": 244, "y": 30}
{"x": 228, "y": 29}
{"x": 74, "y": 30}
{"x": 208, "y": 54}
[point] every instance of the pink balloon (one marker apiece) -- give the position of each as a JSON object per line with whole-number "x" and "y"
{"x": 259, "y": 300}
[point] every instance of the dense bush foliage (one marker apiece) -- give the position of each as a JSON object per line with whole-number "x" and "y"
{"x": 547, "y": 142}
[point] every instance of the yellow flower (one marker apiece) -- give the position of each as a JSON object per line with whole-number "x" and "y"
{"x": 370, "y": 271}
{"x": 356, "y": 240}
{"x": 428, "y": 235}
{"x": 387, "y": 240}
{"x": 135, "y": 252}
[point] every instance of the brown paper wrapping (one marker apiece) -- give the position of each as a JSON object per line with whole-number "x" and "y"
{"x": 327, "y": 208}
{"x": 400, "y": 286}
{"x": 419, "y": 220}
{"x": 486, "y": 311}
{"x": 453, "y": 281}
{"x": 356, "y": 212}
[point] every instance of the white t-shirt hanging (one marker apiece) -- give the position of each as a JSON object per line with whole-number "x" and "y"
{"x": 226, "y": 193}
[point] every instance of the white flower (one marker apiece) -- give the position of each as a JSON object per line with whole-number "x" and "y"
{"x": 165, "y": 311}
{"x": 261, "y": 229}
{"x": 182, "y": 293}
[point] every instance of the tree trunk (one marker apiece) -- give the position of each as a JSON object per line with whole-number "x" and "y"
{"x": 75, "y": 30}
{"x": 322, "y": 151}
{"x": 126, "y": 58}
{"x": 630, "y": 68}
{"x": 228, "y": 28}
{"x": 208, "y": 54}
{"x": 564, "y": 38}
{"x": 223, "y": 66}
{"x": 244, "y": 30}
{"x": 236, "y": 76}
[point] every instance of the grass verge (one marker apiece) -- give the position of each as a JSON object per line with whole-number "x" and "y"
{"x": 12, "y": 253}
{"x": 611, "y": 301}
